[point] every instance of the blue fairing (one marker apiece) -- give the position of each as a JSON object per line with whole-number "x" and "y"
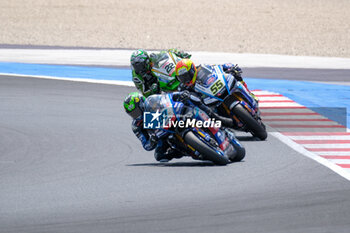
{"x": 177, "y": 106}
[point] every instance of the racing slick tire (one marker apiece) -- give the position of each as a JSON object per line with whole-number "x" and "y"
{"x": 206, "y": 151}
{"x": 258, "y": 130}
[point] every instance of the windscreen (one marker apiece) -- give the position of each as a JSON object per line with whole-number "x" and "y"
{"x": 158, "y": 102}
{"x": 161, "y": 59}
{"x": 203, "y": 72}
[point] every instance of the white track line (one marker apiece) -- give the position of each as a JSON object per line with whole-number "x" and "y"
{"x": 340, "y": 161}
{"x": 292, "y": 104}
{"x": 273, "y": 98}
{"x": 340, "y": 153}
{"x": 327, "y": 146}
{"x": 121, "y": 58}
{"x": 261, "y": 92}
{"x": 109, "y": 82}
{"x": 330, "y": 137}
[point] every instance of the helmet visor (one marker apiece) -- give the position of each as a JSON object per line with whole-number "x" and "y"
{"x": 140, "y": 66}
{"x": 135, "y": 113}
{"x": 187, "y": 77}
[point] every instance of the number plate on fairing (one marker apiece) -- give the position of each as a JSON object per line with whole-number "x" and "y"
{"x": 165, "y": 69}
{"x": 214, "y": 84}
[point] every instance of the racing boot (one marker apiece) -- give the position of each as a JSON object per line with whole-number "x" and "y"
{"x": 164, "y": 153}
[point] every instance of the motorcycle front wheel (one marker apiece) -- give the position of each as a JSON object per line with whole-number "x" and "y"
{"x": 206, "y": 151}
{"x": 257, "y": 129}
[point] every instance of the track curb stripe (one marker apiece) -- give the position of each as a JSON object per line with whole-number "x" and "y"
{"x": 278, "y": 119}
{"x": 331, "y": 149}
{"x": 327, "y": 149}
{"x": 283, "y": 107}
{"x": 335, "y": 157}
{"x": 313, "y": 133}
{"x": 289, "y": 113}
{"x": 277, "y": 101}
{"x": 322, "y": 141}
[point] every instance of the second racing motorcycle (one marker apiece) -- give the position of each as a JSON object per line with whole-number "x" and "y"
{"x": 230, "y": 98}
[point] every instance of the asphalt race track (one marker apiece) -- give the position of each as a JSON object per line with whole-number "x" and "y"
{"x": 70, "y": 163}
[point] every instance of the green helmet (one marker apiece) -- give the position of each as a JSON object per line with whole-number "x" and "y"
{"x": 140, "y": 61}
{"x": 134, "y": 104}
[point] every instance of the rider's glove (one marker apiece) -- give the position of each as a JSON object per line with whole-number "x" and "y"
{"x": 183, "y": 54}
{"x": 180, "y": 53}
{"x": 155, "y": 89}
{"x": 182, "y": 87}
{"x": 185, "y": 95}
{"x": 236, "y": 71}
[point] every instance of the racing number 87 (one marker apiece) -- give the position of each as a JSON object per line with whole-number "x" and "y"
{"x": 216, "y": 87}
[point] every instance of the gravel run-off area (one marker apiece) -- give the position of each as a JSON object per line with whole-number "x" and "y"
{"x": 295, "y": 27}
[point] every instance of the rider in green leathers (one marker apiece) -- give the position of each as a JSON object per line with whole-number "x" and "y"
{"x": 155, "y": 72}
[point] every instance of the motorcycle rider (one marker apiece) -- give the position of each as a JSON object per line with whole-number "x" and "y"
{"x": 141, "y": 64}
{"x": 134, "y": 107}
{"x": 186, "y": 73}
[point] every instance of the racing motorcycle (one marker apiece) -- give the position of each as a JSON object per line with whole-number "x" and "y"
{"x": 164, "y": 70}
{"x": 230, "y": 98}
{"x": 179, "y": 125}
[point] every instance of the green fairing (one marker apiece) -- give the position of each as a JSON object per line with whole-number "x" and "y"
{"x": 166, "y": 88}
{"x": 163, "y": 67}
{"x": 137, "y": 79}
